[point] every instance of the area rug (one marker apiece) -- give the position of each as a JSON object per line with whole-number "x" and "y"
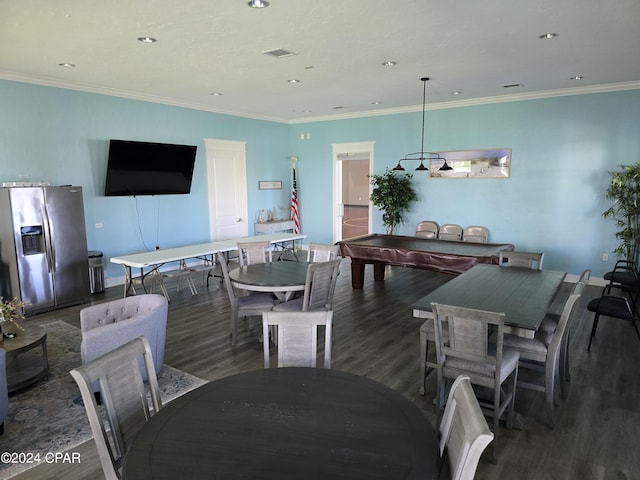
{"x": 50, "y": 416}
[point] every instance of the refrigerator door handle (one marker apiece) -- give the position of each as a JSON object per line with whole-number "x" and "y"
{"x": 49, "y": 251}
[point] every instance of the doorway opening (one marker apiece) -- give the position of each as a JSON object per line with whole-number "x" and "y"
{"x": 352, "y": 166}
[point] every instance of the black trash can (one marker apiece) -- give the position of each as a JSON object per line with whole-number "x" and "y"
{"x": 96, "y": 271}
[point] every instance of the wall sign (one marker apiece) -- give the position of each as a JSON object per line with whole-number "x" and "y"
{"x": 270, "y": 185}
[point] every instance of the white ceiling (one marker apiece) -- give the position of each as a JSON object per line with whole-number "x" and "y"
{"x": 207, "y": 46}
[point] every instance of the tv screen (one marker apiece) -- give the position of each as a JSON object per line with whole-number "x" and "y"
{"x": 144, "y": 168}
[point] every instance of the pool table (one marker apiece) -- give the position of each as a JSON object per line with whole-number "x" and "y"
{"x": 444, "y": 256}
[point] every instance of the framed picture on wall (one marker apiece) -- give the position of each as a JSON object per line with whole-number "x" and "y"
{"x": 269, "y": 185}
{"x": 494, "y": 163}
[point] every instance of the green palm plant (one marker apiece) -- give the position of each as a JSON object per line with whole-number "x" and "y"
{"x": 393, "y": 193}
{"x": 624, "y": 190}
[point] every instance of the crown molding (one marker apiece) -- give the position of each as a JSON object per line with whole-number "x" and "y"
{"x": 81, "y": 87}
{"x": 612, "y": 87}
{"x": 49, "y": 82}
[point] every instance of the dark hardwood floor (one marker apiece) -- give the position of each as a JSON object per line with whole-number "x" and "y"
{"x": 597, "y": 429}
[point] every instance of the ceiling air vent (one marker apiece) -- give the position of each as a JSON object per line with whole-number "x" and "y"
{"x": 279, "y": 53}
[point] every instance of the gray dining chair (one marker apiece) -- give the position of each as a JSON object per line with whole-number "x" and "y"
{"x": 297, "y": 334}
{"x": 319, "y": 287}
{"x": 542, "y": 354}
{"x": 250, "y": 253}
{"x": 470, "y": 352}
{"x": 319, "y": 252}
{"x": 126, "y": 407}
{"x": 532, "y": 260}
{"x": 464, "y": 432}
{"x": 249, "y": 305}
{"x": 550, "y": 324}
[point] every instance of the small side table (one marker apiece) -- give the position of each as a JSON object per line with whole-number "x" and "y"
{"x": 27, "y": 360}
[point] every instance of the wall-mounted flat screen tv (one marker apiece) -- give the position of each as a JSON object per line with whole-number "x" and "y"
{"x": 145, "y": 168}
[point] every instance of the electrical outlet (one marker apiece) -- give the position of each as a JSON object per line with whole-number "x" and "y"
{"x": 98, "y": 225}
{"x": 605, "y": 257}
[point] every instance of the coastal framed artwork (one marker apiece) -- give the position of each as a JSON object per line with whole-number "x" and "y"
{"x": 493, "y": 163}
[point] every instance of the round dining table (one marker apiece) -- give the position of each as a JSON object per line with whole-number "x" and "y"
{"x": 282, "y": 278}
{"x": 286, "y": 423}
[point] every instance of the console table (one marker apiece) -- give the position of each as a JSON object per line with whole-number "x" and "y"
{"x": 274, "y": 226}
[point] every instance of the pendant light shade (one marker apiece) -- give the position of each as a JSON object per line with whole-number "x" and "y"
{"x": 421, "y": 156}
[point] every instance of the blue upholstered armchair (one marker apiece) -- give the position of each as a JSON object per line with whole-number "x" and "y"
{"x": 4, "y": 396}
{"x": 109, "y": 325}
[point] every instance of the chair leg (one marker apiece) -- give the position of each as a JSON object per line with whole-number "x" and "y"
{"x": 635, "y": 325}
{"x": 424, "y": 351}
{"x": 512, "y": 404}
{"x": 497, "y": 392}
{"x": 551, "y": 376}
{"x": 593, "y": 330}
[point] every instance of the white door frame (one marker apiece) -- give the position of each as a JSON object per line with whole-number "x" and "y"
{"x": 343, "y": 149}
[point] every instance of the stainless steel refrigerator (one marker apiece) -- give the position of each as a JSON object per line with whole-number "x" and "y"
{"x": 43, "y": 247}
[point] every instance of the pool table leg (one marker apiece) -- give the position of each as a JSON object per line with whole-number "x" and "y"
{"x": 378, "y": 271}
{"x": 357, "y": 272}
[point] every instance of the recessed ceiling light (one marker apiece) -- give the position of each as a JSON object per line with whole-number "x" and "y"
{"x": 258, "y": 4}
{"x": 576, "y": 77}
{"x": 456, "y": 93}
{"x": 389, "y": 63}
{"x": 307, "y": 111}
{"x": 546, "y": 36}
{"x": 67, "y": 65}
{"x": 147, "y": 39}
{"x": 216, "y": 94}
{"x": 377, "y": 102}
{"x": 293, "y": 80}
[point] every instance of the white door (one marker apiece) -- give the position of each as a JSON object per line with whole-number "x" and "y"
{"x": 227, "y": 184}
{"x": 351, "y": 201}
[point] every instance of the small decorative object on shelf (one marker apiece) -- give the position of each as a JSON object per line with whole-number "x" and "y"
{"x": 11, "y": 311}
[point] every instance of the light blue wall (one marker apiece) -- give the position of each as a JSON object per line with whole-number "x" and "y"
{"x": 62, "y": 137}
{"x": 562, "y": 150}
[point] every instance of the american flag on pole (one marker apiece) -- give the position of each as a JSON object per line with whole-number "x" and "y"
{"x": 294, "y": 201}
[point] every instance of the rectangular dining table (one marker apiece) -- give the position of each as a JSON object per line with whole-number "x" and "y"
{"x": 151, "y": 262}
{"x": 522, "y": 294}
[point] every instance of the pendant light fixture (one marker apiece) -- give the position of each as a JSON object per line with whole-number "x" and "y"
{"x": 422, "y": 154}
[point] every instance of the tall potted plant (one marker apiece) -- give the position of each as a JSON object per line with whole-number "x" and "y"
{"x": 624, "y": 190}
{"x": 393, "y": 193}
